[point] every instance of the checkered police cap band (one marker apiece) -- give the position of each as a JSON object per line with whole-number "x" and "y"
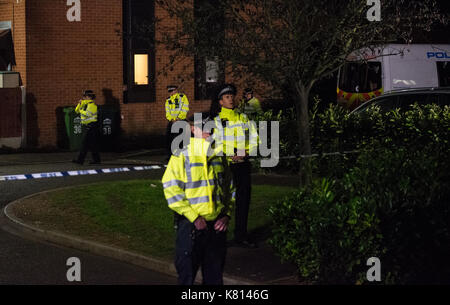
{"x": 227, "y": 90}
{"x": 89, "y": 93}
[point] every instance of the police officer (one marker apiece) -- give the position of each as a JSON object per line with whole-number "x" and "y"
{"x": 88, "y": 111}
{"x": 239, "y": 139}
{"x": 250, "y": 105}
{"x": 177, "y": 107}
{"x": 197, "y": 186}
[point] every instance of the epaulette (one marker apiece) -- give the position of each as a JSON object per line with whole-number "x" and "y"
{"x": 181, "y": 94}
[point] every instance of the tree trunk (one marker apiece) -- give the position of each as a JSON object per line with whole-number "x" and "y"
{"x": 305, "y": 170}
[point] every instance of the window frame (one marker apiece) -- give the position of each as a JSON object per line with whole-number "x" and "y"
{"x": 203, "y": 89}
{"x": 137, "y": 93}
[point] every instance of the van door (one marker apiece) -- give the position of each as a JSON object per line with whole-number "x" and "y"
{"x": 412, "y": 73}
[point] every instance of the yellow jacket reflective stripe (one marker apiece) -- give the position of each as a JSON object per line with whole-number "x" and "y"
{"x": 88, "y": 111}
{"x": 177, "y": 107}
{"x": 197, "y": 185}
{"x": 235, "y": 132}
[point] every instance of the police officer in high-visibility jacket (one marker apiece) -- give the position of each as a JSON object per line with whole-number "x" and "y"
{"x": 239, "y": 138}
{"x": 198, "y": 187}
{"x": 88, "y": 111}
{"x": 177, "y": 107}
{"x": 250, "y": 105}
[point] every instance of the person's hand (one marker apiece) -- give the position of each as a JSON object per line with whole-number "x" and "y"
{"x": 240, "y": 155}
{"x": 221, "y": 225}
{"x": 237, "y": 158}
{"x": 200, "y": 223}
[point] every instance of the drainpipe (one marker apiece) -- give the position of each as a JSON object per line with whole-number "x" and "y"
{"x": 23, "y": 143}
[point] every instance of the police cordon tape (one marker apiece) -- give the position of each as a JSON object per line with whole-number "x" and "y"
{"x": 134, "y": 168}
{"x": 321, "y": 155}
{"x": 79, "y": 172}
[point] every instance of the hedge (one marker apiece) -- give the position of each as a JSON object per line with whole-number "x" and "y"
{"x": 391, "y": 200}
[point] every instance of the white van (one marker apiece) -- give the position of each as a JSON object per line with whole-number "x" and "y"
{"x": 370, "y": 72}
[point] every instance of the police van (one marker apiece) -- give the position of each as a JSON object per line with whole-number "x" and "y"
{"x": 370, "y": 72}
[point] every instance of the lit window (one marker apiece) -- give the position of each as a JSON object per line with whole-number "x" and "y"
{"x": 138, "y": 51}
{"x": 141, "y": 69}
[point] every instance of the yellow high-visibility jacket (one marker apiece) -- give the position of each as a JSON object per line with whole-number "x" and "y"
{"x": 251, "y": 107}
{"x": 196, "y": 184}
{"x": 88, "y": 111}
{"x": 177, "y": 107}
{"x": 235, "y": 132}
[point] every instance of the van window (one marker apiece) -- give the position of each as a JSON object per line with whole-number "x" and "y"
{"x": 443, "y": 68}
{"x": 360, "y": 77}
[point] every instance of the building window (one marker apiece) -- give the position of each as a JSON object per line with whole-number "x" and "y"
{"x": 209, "y": 70}
{"x": 212, "y": 70}
{"x": 139, "y": 55}
{"x": 209, "y": 73}
{"x": 7, "y": 57}
{"x": 141, "y": 75}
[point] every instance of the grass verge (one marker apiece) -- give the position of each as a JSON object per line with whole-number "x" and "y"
{"x": 132, "y": 215}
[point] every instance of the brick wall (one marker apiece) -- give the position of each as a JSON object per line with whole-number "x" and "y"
{"x": 151, "y": 118}
{"x": 63, "y": 58}
{"x": 58, "y": 59}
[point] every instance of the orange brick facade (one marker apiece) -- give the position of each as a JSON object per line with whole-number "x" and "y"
{"x": 57, "y": 59}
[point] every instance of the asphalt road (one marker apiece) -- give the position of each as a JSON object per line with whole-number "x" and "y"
{"x": 32, "y": 262}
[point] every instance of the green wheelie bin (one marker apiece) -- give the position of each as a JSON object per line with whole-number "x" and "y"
{"x": 73, "y": 128}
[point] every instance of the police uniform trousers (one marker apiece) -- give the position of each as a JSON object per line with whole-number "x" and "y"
{"x": 194, "y": 249}
{"x": 242, "y": 181}
{"x": 90, "y": 142}
{"x": 169, "y": 138}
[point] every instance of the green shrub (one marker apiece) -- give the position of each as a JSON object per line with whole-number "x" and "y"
{"x": 391, "y": 201}
{"x": 412, "y": 191}
{"x": 326, "y": 233}
{"x": 392, "y": 204}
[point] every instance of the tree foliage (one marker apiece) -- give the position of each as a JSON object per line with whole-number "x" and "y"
{"x": 287, "y": 44}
